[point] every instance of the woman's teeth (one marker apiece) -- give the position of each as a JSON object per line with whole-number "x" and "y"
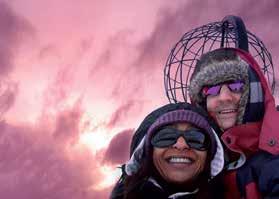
{"x": 179, "y": 160}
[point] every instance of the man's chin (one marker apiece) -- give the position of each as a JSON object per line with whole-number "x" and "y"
{"x": 225, "y": 125}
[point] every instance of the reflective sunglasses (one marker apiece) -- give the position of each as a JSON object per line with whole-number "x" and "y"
{"x": 234, "y": 86}
{"x": 168, "y": 136}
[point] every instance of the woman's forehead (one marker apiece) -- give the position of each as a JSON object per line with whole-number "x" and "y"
{"x": 182, "y": 125}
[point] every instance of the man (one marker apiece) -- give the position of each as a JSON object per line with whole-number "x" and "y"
{"x": 229, "y": 84}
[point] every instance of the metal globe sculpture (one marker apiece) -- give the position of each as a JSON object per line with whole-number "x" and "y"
{"x": 230, "y": 32}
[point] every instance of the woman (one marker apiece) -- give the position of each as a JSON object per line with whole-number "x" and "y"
{"x": 175, "y": 154}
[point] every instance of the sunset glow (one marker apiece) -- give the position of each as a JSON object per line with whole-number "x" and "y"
{"x": 96, "y": 140}
{"x": 110, "y": 177}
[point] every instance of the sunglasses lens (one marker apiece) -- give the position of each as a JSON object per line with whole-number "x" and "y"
{"x": 236, "y": 86}
{"x": 212, "y": 90}
{"x": 197, "y": 140}
{"x": 164, "y": 138}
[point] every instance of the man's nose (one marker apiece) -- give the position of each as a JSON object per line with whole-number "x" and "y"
{"x": 181, "y": 144}
{"x": 225, "y": 93}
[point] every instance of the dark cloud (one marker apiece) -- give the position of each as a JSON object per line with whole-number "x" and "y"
{"x": 169, "y": 28}
{"x": 123, "y": 112}
{"x": 120, "y": 113}
{"x": 67, "y": 124}
{"x": 47, "y": 51}
{"x": 8, "y": 93}
{"x": 102, "y": 63}
{"x": 115, "y": 44}
{"x": 114, "y": 69}
{"x": 86, "y": 45}
{"x": 118, "y": 149}
{"x": 13, "y": 30}
{"x": 59, "y": 89}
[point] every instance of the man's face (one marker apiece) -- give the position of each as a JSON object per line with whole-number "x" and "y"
{"x": 224, "y": 107}
{"x": 179, "y": 163}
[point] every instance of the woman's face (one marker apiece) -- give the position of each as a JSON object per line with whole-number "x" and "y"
{"x": 179, "y": 163}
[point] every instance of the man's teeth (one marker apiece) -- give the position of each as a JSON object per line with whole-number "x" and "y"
{"x": 179, "y": 160}
{"x": 227, "y": 111}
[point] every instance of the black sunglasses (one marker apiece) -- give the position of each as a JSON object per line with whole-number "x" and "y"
{"x": 167, "y": 136}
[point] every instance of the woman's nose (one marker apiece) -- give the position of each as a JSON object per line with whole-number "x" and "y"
{"x": 181, "y": 144}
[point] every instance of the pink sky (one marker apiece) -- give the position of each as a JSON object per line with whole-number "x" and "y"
{"x": 76, "y": 79}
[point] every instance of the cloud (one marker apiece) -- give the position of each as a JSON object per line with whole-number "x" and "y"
{"x": 45, "y": 159}
{"x": 114, "y": 72}
{"x": 14, "y": 30}
{"x": 36, "y": 162}
{"x": 120, "y": 113}
{"x": 67, "y": 124}
{"x": 171, "y": 24}
{"x": 124, "y": 113}
{"x": 119, "y": 147}
{"x": 48, "y": 51}
{"x": 59, "y": 89}
{"x": 8, "y": 93}
{"x": 116, "y": 46}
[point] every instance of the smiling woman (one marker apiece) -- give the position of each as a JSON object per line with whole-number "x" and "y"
{"x": 176, "y": 154}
